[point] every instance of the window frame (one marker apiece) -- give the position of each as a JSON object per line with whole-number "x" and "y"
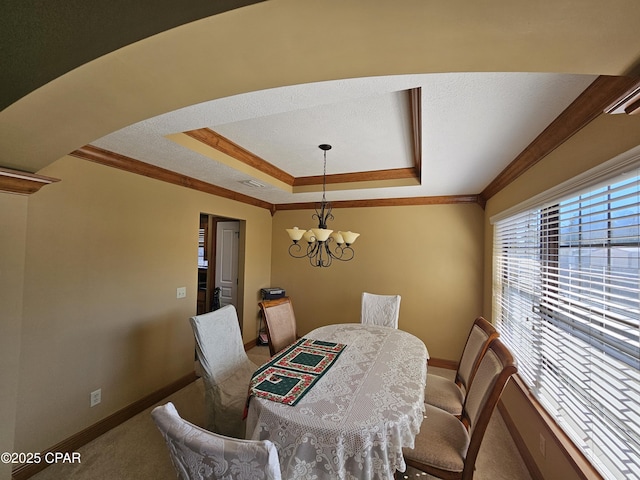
{"x": 548, "y": 222}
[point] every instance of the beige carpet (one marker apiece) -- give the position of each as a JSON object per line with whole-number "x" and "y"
{"x": 135, "y": 450}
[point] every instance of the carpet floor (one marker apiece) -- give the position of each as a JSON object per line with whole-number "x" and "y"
{"x": 135, "y": 450}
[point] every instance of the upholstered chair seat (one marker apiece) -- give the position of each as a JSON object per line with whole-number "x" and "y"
{"x": 443, "y": 393}
{"x": 443, "y": 441}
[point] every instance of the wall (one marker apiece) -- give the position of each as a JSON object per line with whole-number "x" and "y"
{"x": 123, "y": 88}
{"x": 603, "y": 139}
{"x": 105, "y": 252}
{"x": 13, "y": 231}
{"x": 430, "y": 255}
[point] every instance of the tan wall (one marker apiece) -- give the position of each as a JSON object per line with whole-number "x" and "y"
{"x": 430, "y": 255}
{"x": 603, "y": 139}
{"x": 105, "y": 253}
{"x": 88, "y": 321}
{"x": 13, "y": 232}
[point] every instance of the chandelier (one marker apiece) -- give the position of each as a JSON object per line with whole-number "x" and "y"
{"x": 322, "y": 245}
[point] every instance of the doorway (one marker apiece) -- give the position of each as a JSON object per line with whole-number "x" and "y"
{"x": 218, "y": 259}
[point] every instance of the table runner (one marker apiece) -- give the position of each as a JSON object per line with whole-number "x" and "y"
{"x": 290, "y": 375}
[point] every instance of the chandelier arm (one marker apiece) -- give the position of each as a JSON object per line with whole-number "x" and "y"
{"x": 295, "y": 250}
{"x": 343, "y": 253}
{"x": 313, "y": 255}
{"x": 322, "y": 260}
{"x": 312, "y": 249}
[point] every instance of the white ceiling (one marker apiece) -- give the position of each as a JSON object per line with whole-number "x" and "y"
{"x": 473, "y": 126}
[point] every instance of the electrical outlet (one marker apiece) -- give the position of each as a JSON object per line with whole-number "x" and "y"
{"x": 181, "y": 292}
{"x": 96, "y": 397}
{"x": 542, "y": 445}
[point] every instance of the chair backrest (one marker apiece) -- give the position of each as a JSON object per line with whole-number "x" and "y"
{"x": 280, "y": 322}
{"x": 197, "y": 453}
{"x": 480, "y": 336}
{"x": 226, "y": 369}
{"x": 382, "y": 310}
{"x": 495, "y": 369}
{"x": 219, "y": 343}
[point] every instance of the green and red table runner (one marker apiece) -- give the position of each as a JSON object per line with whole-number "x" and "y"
{"x": 288, "y": 376}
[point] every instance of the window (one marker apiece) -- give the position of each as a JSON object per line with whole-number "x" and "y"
{"x": 567, "y": 302}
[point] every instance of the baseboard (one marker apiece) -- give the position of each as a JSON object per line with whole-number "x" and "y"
{"x": 73, "y": 443}
{"x": 527, "y": 458}
{"x": 442, "y": 363}
{"x": 576, "y": 459}
{"x": 250, "y": 345}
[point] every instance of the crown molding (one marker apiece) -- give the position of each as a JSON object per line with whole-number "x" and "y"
{"x": 590, "y": 104}
{"x": 388, "y": 202}
{"x": 22, "y": 183}
{"x": 122, "y": 162}
{"x": 600, "y": 96}
{"x": 629, "y": 103}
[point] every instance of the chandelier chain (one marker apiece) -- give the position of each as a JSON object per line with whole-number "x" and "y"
{"x": 324, "y": 178}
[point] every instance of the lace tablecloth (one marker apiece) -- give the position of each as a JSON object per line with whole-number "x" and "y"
{"x": 356, "y": 419}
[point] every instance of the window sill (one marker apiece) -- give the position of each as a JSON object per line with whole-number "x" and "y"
{"x": 581, "y": 465}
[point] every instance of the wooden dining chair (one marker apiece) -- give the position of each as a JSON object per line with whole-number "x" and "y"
{"x": 280, "y": 322}
{"x": 449, "y": 394}
{"x": 382, "y": 310}
{"x": 447, "y": 446}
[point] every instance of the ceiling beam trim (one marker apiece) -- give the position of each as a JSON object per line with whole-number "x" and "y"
{"x": 128, "y": 164}
{"x": 218, "y": 142}
{"x": 590, "y": 104}
{"x": 373, "y": 175}
{"x": 389, "y": 202}
{"x": 224, "y": 145}
{"x": 122, "y": 162}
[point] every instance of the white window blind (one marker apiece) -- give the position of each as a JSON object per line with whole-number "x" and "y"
{"x": 567, "y": 302}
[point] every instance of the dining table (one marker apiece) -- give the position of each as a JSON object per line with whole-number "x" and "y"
{"x": 362, "y": 405}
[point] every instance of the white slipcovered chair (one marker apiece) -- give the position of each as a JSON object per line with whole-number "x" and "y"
{"x": 382, "y": 310}
{"x": 198, "y": 454}
{"x": 226, "y": 369}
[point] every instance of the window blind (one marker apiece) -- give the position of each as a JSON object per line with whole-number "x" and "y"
{"x": 567, "y": 302}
